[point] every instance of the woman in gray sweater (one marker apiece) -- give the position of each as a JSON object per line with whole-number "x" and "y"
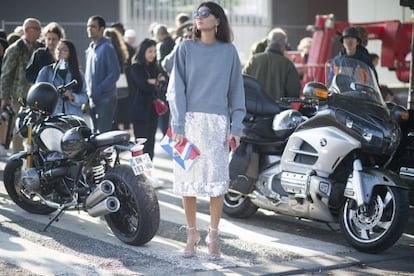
{"x": 206, "y": 98}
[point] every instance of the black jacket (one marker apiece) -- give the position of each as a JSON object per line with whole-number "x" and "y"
{"x": 41, "y": 57}
{"x": 144, "y": 93}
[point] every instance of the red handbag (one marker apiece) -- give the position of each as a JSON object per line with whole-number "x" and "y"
{"x": 160, "y": 106}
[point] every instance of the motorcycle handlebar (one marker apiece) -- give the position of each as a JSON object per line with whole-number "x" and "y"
{"x": 305, "y": 101}
{"x": 63, "y": 88}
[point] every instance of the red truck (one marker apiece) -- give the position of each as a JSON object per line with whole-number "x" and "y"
{"x": 395, "y": 49}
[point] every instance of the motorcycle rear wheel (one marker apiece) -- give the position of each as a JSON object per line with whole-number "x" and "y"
{"x": 238, "y": 206}
{"x": 376, "y": 226}
{"x": 138, "y": 218}
{"x": 13, "y": 187}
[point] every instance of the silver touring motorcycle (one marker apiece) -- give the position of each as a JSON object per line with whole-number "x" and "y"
{"x": 326, "y": 162}
{"x": 66, "y": 167}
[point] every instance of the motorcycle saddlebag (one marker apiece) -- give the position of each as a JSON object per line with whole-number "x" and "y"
{"x": 244, "y": 168}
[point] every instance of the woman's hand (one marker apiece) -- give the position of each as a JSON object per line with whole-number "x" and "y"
{"x": 178, "y": 138}
{"x": 69, "y": 95}
{"x": 160, "y": 77}
{"x": 152, "y": 81}
{"x": 234, "y": 141}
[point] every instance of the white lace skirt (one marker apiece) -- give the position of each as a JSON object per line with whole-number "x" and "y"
{"x": 209, "y": 174}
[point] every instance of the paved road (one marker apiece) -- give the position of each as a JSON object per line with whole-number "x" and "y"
{"x": 264, "y": 244}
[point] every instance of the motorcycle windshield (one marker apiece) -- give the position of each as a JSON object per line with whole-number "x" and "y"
{"x": 353, "y": 78}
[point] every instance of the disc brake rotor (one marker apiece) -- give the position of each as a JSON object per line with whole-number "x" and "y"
{"x": 367, "y": 217}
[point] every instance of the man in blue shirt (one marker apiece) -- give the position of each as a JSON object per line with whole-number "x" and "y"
{"x": 101, "y": 75}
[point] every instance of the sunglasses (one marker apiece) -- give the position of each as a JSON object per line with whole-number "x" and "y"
{"x": 203, "y": 13}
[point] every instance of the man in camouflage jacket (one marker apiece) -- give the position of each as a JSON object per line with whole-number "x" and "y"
{"x": 13, "y": 83}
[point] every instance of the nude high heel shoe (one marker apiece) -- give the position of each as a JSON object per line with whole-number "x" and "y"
{"x": 193, "y": 238}
{"x": 213, "y": 248}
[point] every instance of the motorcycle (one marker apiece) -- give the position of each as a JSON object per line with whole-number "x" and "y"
{"x": 66, "y": 167}
{"x": 403, "y": 161}
{"x": 326, "y": 161}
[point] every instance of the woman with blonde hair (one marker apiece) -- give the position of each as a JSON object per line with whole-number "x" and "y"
{"x": 121, "y": 119}
{"x": 119, "y": 44}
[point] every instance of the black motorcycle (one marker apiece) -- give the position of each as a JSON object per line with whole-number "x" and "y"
{"x": 66, "y": 167}
{"x": 330, "y": 165}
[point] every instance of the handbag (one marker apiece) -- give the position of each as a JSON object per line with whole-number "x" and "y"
{"x": 122, "y": 88}
{"x": 160, "y": 106}
{"x": 184, "y": 154}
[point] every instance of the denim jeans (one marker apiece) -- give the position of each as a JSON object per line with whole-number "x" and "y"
{"x": 103, "y": 114}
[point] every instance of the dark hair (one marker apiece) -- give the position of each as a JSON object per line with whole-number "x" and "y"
{"x": 182, "y": 17}
{"x": 4, "y": 43}
{"x": 142, "y": 48}
{"x": 3, "y": 34}
{"x": 73, "y": 64}
{"x": 373, "y": 56}
{"x": 224, "y": 32}
{"x": 12, "y": 37}
{"x": 101, "y": 21}
{"x": 119, "y": 26}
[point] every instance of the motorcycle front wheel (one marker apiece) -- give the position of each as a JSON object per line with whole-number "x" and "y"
{"x": 138, "y": 218}
{"x": 238, "y": 206}
{"x": 15, "y": 189}
{"x": 376, "y": 226}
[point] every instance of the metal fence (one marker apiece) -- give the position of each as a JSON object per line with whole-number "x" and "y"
{"x": 250, "y": 20}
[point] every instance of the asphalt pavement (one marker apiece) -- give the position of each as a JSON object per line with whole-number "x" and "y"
{"x": 81, "y": 245}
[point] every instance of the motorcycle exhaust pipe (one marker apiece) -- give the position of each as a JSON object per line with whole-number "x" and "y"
{"x": 103, "y": 190}
{"x": 109, "y": 205}
{"x": 54, "y": 173}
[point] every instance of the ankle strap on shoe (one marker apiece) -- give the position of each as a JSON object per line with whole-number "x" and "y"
{"x": 187, "y": 228}
{"x": 210, "y": 229}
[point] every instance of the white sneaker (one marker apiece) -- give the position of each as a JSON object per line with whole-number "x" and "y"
{"x": 155, "y": 182}
{"x": 3, "y": 151}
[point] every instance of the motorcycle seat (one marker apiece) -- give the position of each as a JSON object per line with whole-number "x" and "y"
{"x": 257, "y": 101}
{"x": 110, "y": 138}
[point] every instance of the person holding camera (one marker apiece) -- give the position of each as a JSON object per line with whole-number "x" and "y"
{"x": 13, "y": 83}
{"x": 63, "y": 71}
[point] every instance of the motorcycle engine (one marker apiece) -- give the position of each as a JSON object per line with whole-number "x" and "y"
{"x": 41, "y": 181}
{"x": 31, "y": 180}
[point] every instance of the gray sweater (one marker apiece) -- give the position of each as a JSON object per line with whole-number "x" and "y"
{"x": 208, "y": 79}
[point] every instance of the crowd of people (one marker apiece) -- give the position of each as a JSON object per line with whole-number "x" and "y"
{"x": 32, "y": 54}
{"x": 195, "y": 67}
{"x": 163, "y": 59}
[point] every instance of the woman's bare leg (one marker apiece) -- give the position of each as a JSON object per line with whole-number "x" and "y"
{"x": 193, "y": 236}
{"x": 216, "y": 208}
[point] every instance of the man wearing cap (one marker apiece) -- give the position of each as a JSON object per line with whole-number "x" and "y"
{"x": 352, "y": 47}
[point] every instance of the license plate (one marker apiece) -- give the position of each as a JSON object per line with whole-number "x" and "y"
{"x": 141, "y": 163}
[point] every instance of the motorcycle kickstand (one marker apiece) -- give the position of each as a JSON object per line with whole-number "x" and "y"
{"x": 55, "y": 218}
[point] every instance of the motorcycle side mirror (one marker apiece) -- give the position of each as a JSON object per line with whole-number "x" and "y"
{"x": 22, "y": 101}
{"x": 316, "y": 90}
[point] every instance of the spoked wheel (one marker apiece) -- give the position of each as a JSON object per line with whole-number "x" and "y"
{"x": 137, "y": 220}
{"x": 14, "y": 187}
{"x": 376, "y": 226}
{"x": 238, "y": 205}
